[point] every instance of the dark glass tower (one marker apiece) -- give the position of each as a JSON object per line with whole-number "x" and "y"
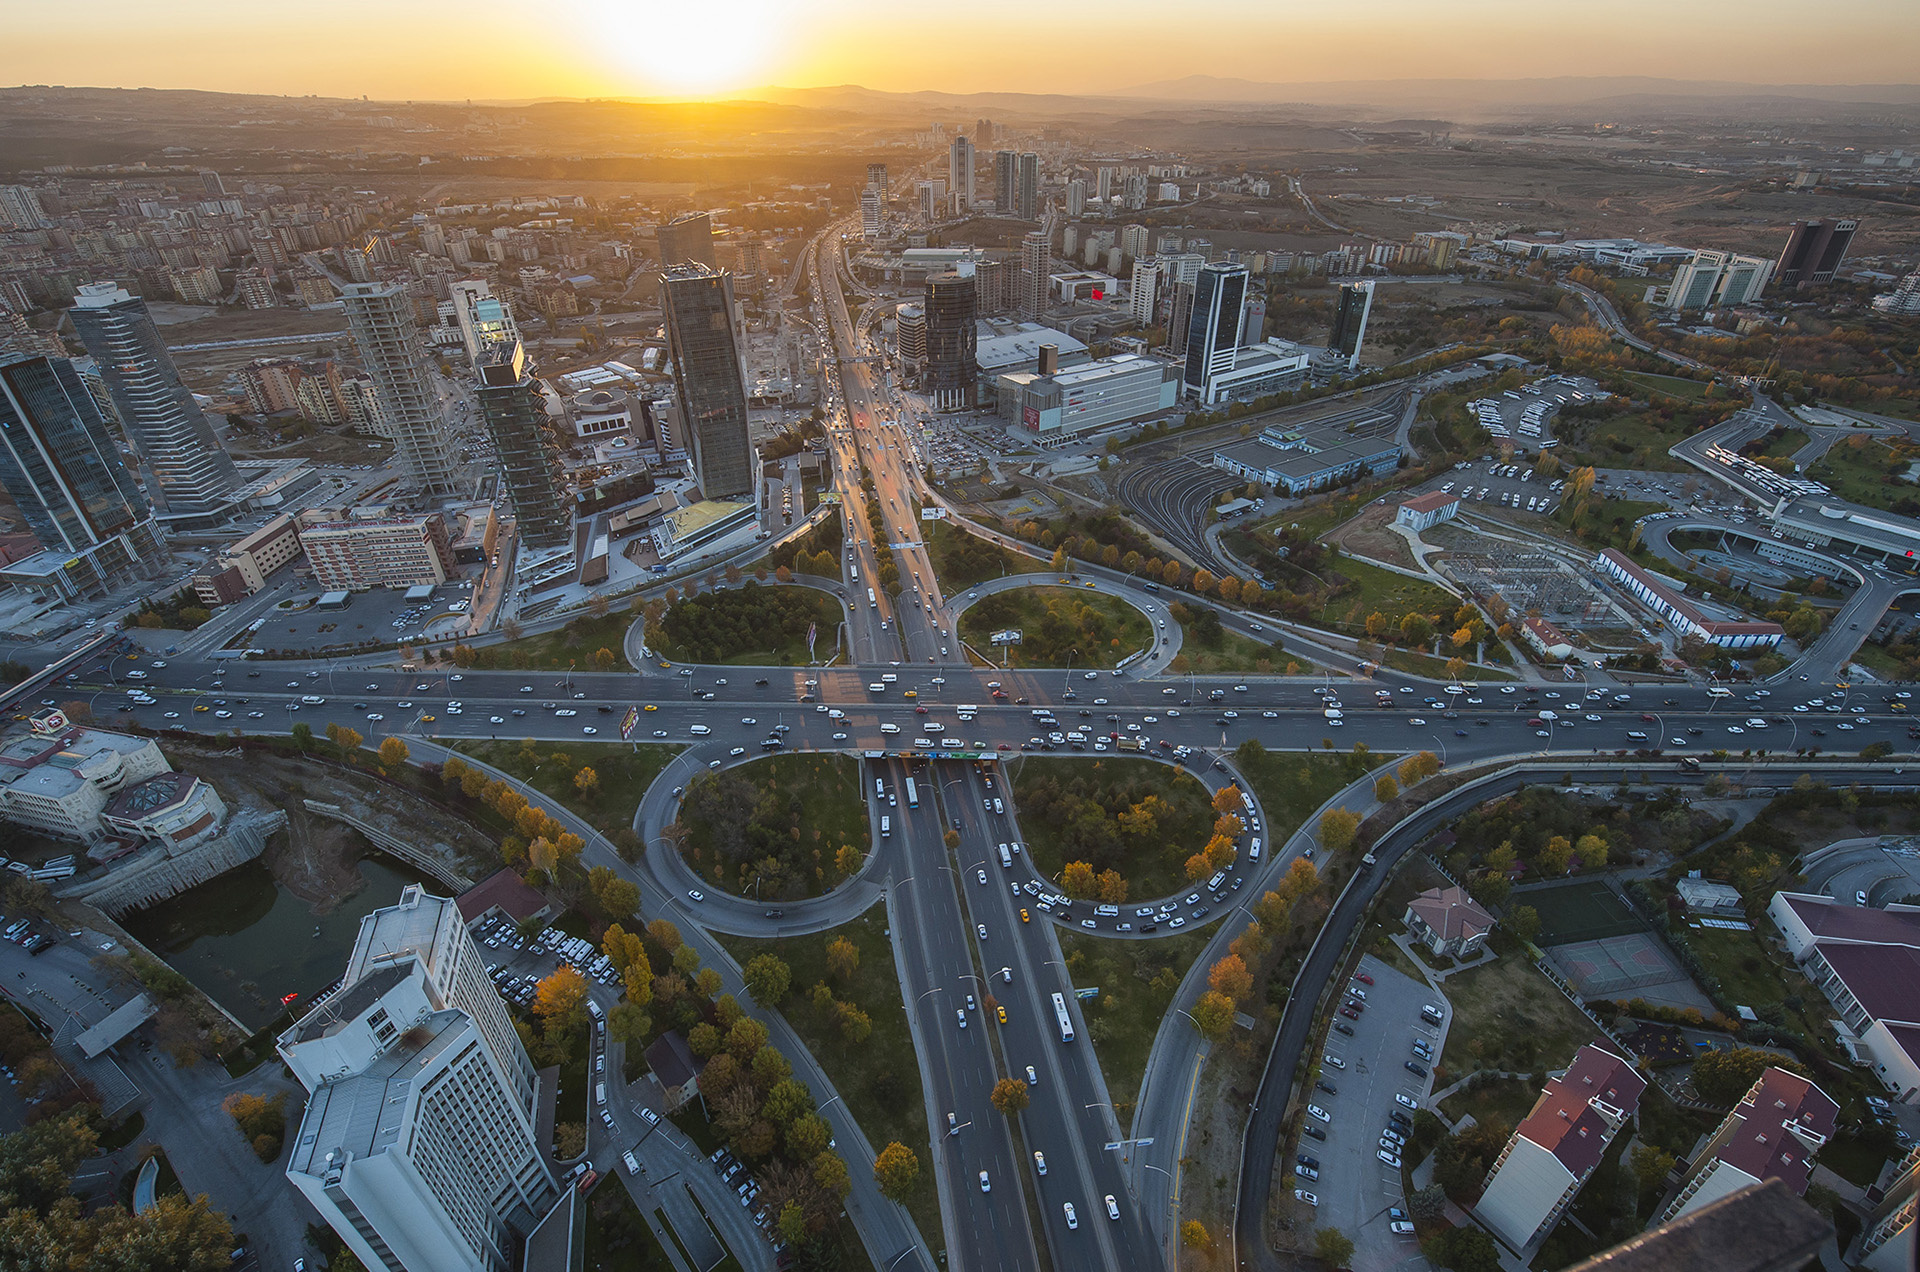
{"x": 708, "y": 379}
{"x": 953, "y": 369}
{"x": 1213, "y": 328}
{"x": 515, "y": 412}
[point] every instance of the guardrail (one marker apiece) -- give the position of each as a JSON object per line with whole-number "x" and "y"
{"x": 426, "y": 863}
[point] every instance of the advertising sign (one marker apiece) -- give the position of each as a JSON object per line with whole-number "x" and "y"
{"x": 628, "y": 722}
{"x": 1009, "y": 637}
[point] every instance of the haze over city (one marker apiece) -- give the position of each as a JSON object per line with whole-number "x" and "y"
{"x": 809, "y": 637}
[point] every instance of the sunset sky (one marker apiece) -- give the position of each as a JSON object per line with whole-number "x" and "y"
{"x": 493, "y": 49}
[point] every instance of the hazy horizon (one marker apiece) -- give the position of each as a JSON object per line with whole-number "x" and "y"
{"x": 737, "y": 48}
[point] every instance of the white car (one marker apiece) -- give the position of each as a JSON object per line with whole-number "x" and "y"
{"x": 1301, "y": 1194}
{"x": 697, "y": 895}
{"x": 1073, "y": 1220}
{"x": 1113, "y": 1207}
{"x": 980, "y": 929}
{"x": 985, "y": 1185}
{"x": 1391, "y": 1159}
{"x": 588, "y": 729}
{"x": 982, "y": 875}
{"x": 1315, "y": 1111}
{"x": 1405, "y": 1100}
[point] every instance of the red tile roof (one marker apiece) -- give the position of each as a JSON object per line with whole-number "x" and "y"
{"x": 1563, "y": 1120}
{"x": 1451, "y": 913}
{"x": 1830, "y": 920}
{"x": 505, "y": 889}
{"x": 1430, "y": 503}
{"x": 1885, "y": 979}
{"x": 1707, "y": 622}
{"x": 1762, "y": 1146}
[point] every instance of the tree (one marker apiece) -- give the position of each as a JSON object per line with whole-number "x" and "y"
{"x": 843, "y": 959}
{"x": 1591, "y": 849}
{"x": 1212, "y": 1016}
{"x": 393, "y": 753}
{"x": 896, "y": 1170}
{"x": 1555, "y": 857}
{"x": 586, "y": 781}
{"x": 1722, "y": 1077}
{"x": 1230, "y": 976}
{"x": 1112, "y": 887}
{"x": 1415, "y": 629}
{"x": 848, "y": 859}
{"x": 1077, "y": 881}
{"x": 1337, "y": 829}
{"x": 830, "y": 1174}
{"x": 1418, "y": 767}
{"x": 603, "y": 659}
{"x": 347, "y": 739}
{"x": 768, "y": 979}
{"x": 1385, "y": 789}
{"x": 1060, "y": 560}
{"x": 1333, "y": 1246}
{"x": 303, "y": 736}
{"x": 1463, "y": 1250}
{"x": 1010, "y": 1095}
{"x": 1651, "y": 1164}
{"x": 1524, "y": 922}
{"x": 1228, "y": 799}
{"x": 569, "y": 1140}
{"x": 628, "y": 954}
{"x": 1194, "y": 1235}
{"x": 561, "y": 1000}
{"x": 855, "y": 1025}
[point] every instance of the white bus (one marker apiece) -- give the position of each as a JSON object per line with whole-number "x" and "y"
{"x": 913, "y": 794}
{"x": 872, "y": 600}
{"x": 1060, "y": 1014}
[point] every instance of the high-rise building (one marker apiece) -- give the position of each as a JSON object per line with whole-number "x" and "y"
{"x": 982, "y": 133}
{"x": 1142, "y": 301}
{"x": 1179, "y": 313}
{"x": 482, "y": 317}
{"x": 1903, "y": 299}
{"x": 380, "y": 316}
{"x": 960, "y": 170}
{"x": 1136, "y": 196}
{"x": 1103, "y": 183}
{"x": 1006, "y": 182}
{"x": 877, "y": 178}
{"x": 515, "y": 412}
{"x": 59, "y": 465}
{"x": 952, "y": 340}
{"x": 1133, "y": 241}
{"x": 211, "y": 183}
{"x": 20, "y": 209}
{"x": 191, "y": 471}
{"x": 688, "y": 237}
{"x": 418, "y": 1144}
{"x": 1556, "y": 1148}
{"x": 1887, "y": 1242}
{"x": 354, "y": 553}
{"x": 933, "y": 199}
{"x": 1029, "y": 192}
{"x": 910, "y": 337}
{"x": 1773, "y": 1133}
{"x": 995, "y": 282}
{"x": 1076, "y": 198}
{"x": 1253, "y": 323}
{"x": 1035, "y": 267}
{"x": 1350, "y": 320}
{"x": 1813, "y": 252}
{"x": 869, "y": 214}
{"x": 708, "y": 378}
{"x": 1213, "y": 329}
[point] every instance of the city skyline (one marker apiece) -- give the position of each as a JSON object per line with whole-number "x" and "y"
{"x": 589, "y": 48}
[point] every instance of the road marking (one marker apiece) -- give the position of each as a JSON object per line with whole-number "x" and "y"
{"x": 1186, "y": 1115}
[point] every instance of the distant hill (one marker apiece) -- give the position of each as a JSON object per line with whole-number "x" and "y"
{"x": 1448, "y": 94}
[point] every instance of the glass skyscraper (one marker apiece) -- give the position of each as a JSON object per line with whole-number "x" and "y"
{"x": 1213, "y": 328}
{"x": 708, "y": 379}
{"x": 515, "y": 412}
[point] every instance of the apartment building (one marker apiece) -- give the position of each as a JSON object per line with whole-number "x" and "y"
{"x": 355, "y": 553}
{"x": 1773, "y": 1133}
{"x": 58, "y": 778}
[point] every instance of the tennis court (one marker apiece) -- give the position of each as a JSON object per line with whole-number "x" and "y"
{"x": 1584, "y": 911}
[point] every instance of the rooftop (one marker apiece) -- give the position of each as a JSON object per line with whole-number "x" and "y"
{"x": 160, "y": 791}
{"x": 1451, "y": 913}
{"x": 1831, "y": 921}
{"x": 1684, "y": 605}
{"x": 1761, "y": 1228}
{"x": 1885, "y": 979}
{"x": 1783, "y": 1121}
{"x": 507, "y": 891}
{"x": 1430, "y": 502}
{"x": 1564, "y": 1121}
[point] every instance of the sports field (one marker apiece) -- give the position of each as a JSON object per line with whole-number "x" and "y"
{"x": 1584, "y": 911}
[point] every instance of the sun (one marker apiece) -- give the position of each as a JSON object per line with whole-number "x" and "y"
{"x": 696, "y": 47}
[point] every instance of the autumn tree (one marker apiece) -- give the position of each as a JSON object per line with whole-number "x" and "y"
{"x": 768, "y": 978}
{"x": 1230, "y": 976}
{"x": 843, "y": 959}
{"x": 393, "y": 753}
{"x": 896, "y": 1170}
{"x": 1524, "y": 922}
{"x": 1212, "y": 1016}
{"x": 1077, "y": 881}
{"x": 561, "y": 1000}
{"x": 1418, "y": 767}
{"x": 1010, "y": 1096}
{"x": 1338, "y": 827}
{"x": 1194, "y": 1235}
{"x": 1385, "y": 789}
{"x": 586, "y": 781}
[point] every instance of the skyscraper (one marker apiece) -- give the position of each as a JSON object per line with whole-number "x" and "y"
{"x": 211, "y": 183}
{"x": 1006, "y": 182}
{"x": 688, "y": 237}
{"x": 1076, "y": 197}
{"x": 960, "y": 170}
{"x": 418, "y": 1143}
{"x": 1029, "y": 195}
{"x": 1814, "y": 251}
{"x": 1253, "y": 323}
{"x": 59, "y": 465}
{"x": 1103, "y": 188}
{"x": 708, "y": 378}
{"x": 515, "y": 413}
{"x": 1034, "y": 269}
{"x": 877, "y": 178}
{"x": 1350, "y": 320}
{"x": 869, "y": 214}
{"x": 994, "y": 286}
{"x": 1213, "y": 329}
{"x": 983, "y": 133}
{"x": 1133, "y": 241}
{"x": 380, "y": 316}
{"x": 952, "y": 340}
{"x": 168, "y": 429}
{"x": 1146, "y": 291}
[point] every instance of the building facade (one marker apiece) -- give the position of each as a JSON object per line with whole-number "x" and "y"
{"x": 708, "y": 378}
{"x": 58, "y": 778}
{"x": 952, "y": 341}
{"x": 191, "y": 472}
{"x": 380, "y": 316}
{"x": 1426, "y": 510}
{"x": 960, "y": 171}
{"x": 1773, "y": 1133}
{"x": 1213, "y": 327}
{"x": 249, "y": 562}
{"x": 688, "y": 240}
{"x": 1448, "y": 922}
{"x": 59, "y": 465}
{"x": 515, "y": 412}
{"x": 1350, "y": 320}
{"x": 1058, "y": 407}
{"x": 376, "y": 551}
{"x": 1814, "y": 251}
{"x": 1682, "y": 614}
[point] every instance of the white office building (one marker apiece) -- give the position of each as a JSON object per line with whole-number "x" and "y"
{"x": 1060, "y": 406}
{"x": 1141, "y": 302}
{"x": 418, "y": 1144}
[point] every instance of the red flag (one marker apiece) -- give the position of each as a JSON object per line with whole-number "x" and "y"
{"x": 288, "y": 998}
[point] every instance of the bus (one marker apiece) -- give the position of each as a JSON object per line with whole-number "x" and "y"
{"x": 913, "y": 794}
{"x": 872, "y": 600}
{"x": 1060, "y": 1014}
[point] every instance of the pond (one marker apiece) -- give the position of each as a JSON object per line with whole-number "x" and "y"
{"x": 246, "y": 941}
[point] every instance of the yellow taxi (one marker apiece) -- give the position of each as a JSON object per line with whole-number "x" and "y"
{"x": 1023, "y": 916}
{"x": 426, "y": 719}
{"x": 650, "y": 707}
{"x": 201, "y": 706}
{"x": 913, "y": 693}
{"x": 1003, "y": 1015}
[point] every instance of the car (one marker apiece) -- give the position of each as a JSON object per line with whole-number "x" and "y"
{"x": 1073, "y": 1220}
{"x": 1343, "y": 1027}
{"x": 1349, "y": 1012}
{"x": 1039, "y": 1162}
{"x": 1033, "y": 1079}
{"x": 980, "y": 930}
{"x": 1003, "y": 1013}
{"x": 1301, "y": 1194}
{"x": 981, "y": 874}
{"x": 171, "y": 715}
{"x": 1405, "y": 1101}
{"x": 1113, "y": 1207}
{"x": 961, "y": 1016}
{"x": 1391, "y": 1159}
{"x": 1313, "y": 1132}
{"x": 1311, "y": 1163}
{"x": 589, "y": 729}
{"x": 696, "y": 895}
{"x": 1024, "y": 916}
{"x": 1318, "y": 1113}
{"x": 738, "y": 751}
{"x": 1401, "y": 1228}
{"x": 1415, "y": 1068}
{"x": 985, "y": 1184}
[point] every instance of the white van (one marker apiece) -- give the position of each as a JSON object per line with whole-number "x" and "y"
{"x": 136, "y": 675}
{"x": 1253, "y": 850}
{"x": 886, "y": 827}
{"x": 1107, "y": 911}
{"x": 600, "y": 1093}
{"x": 698, "y": 730}
{"x": 312, "y": 700}
{"x": 879, "y": 789}
{"x": 593, "y": 1009}
{"x": 889, "y": 728}
{"x": 1219, "y": 877}
{"x": 1006, "y": 857}
{"x": 633, "y": 1167}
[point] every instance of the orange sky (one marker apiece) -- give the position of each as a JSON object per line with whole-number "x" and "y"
{"x": 400, "y": 49}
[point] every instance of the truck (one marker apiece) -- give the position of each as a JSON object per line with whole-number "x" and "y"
{"x": 1130, "y": 744}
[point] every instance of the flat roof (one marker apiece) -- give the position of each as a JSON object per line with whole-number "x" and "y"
{"x": 120, "y": 1022}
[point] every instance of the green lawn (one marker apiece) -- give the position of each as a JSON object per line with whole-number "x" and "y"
{"x": 1506, "y": 1100}
{"x": 1672, "y": 386}
{"x": 1136, "y": 980}
{"x": 879, "y": 1079}
{"x": 1750, "y": 976}
{"x": 1785, "y": 445}
{"x": 625, "y": 772}
{"x": 1239, "y": 653}
{"x": 1508, "y": 1016}
{"x": 811, "y": 803}
{"x": 1630, "y": 439}
{"x": 1151, "y": 870}
{"x": 1862, "y": 469}
{"x": 1062, "y": 626}
{"x": 754, "y": 625}
{"x": 574, "y": 644}
{"x": 961, "y": 560}
{"x": 1607, "y": 522}
{"x": 1877, "y": 660}
{"x": 1379, "y": 591}
{"x": 1291, "y": 785}
{"x": 618, "y": 1239}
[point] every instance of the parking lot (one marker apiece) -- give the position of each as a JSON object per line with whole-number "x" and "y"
{"x": 1374, "y": 1097}
{"x": 380, "y": 617}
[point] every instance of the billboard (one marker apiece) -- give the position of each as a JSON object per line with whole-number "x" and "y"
{"x": 1030, "y": 415}
{"x": 932, "y": 514}
{"x": 628, "y": 722}
{"x": 1011, "y": 636}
